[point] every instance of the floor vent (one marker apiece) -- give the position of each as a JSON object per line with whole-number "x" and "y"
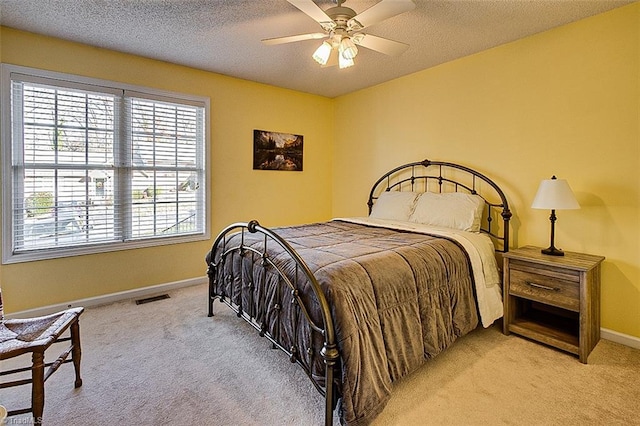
{"x": 152, "y": 299}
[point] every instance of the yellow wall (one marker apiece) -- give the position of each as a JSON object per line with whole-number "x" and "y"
{"x": 564, "y": 102}
{"x": 238, "y": 192}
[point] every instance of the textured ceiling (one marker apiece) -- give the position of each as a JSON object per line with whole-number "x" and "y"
{"x": 224, "y": 36}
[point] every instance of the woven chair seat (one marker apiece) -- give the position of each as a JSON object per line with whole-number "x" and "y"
{"x": 18, "y": 336}
{"x": 35, "y": 336}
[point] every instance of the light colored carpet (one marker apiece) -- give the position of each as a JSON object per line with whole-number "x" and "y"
{"x": 166, "y": 362}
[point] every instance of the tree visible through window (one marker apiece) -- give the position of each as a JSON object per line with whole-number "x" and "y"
{"x": 97, "y": 165}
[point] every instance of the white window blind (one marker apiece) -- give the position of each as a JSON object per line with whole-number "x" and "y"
{"x": 99, "y": 167}
{"x": 166, "y": 171}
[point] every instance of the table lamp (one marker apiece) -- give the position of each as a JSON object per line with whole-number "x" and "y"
{"x": 554, "y": 194}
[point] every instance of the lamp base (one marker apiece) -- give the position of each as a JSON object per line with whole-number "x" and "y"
{"x": 552, "y": 251}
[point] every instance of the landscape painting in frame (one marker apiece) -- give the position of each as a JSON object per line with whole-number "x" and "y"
{"x": 277, "y": 151}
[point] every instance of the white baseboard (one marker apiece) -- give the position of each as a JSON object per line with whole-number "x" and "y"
{"x": 623, "y": 339}
{"x": 109, "y": 298}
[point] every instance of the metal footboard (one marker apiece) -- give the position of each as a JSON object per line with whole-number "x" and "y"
{"x": 258, "y": 275}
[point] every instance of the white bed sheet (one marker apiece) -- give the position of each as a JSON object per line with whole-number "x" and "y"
{"x": 480, "y": 250}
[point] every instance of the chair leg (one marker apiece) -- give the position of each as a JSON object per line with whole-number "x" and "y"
{"x": 37, "y": 387}
{"x": 76, "y": 352}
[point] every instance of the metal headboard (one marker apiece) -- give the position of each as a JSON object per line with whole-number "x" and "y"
{"x": 439, "y": 176}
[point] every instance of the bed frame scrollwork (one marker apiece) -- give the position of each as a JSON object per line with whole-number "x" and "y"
{"x": 237, "y": 289}
{"x": 328, "y": 353}
{"x": 439, "y": 176}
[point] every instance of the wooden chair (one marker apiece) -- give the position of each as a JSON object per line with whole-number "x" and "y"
{"x": 35, "y": 336}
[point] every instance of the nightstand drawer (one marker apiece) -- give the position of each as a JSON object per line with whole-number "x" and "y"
{"x": 546, "y": 289}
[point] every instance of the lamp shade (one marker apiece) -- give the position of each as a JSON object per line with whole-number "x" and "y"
{"x": 555, "y": 194}
{"x": 347, "y": 48}
{"x": 322, "y": 53}
{"x": 344, "y": 62}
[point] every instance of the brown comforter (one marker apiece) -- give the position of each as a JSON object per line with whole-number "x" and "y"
{"x": 397, "y": 299}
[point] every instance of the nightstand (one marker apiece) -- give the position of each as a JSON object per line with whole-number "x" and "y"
{"x": 554, "y": 300}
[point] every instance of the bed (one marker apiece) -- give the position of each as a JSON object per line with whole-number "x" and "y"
{"x": 361, "y": 302}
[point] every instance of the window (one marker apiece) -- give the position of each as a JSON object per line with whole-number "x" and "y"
{"x": 91, "y": 166}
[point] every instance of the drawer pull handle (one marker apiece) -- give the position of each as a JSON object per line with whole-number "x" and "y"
{"x": 543, "y": 287}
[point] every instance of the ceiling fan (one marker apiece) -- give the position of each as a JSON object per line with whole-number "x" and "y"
{"x": 342, "y": 27}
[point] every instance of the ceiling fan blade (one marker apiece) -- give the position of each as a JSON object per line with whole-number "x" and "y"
{"x": 291, "y": 39}
{"x": 314, "y": 11}
{"x": 379, "y": 12}
{"x": 379, "y": 44}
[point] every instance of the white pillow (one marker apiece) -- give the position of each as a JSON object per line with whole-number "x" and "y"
{"x": 394, "y": 205}
{"x": 455, "y": 210}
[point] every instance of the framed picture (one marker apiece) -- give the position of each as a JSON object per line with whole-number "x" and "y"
{"x": 277, "y": 151}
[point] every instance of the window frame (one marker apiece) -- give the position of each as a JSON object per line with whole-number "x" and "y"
{"x": 6, "y": 153}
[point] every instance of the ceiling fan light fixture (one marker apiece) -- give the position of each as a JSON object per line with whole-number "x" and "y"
{"x": 342, "y": 26}
{"x": 321, "y": 55}
{"x": 347, "y": 48}
{"x": 344, "y": 62}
